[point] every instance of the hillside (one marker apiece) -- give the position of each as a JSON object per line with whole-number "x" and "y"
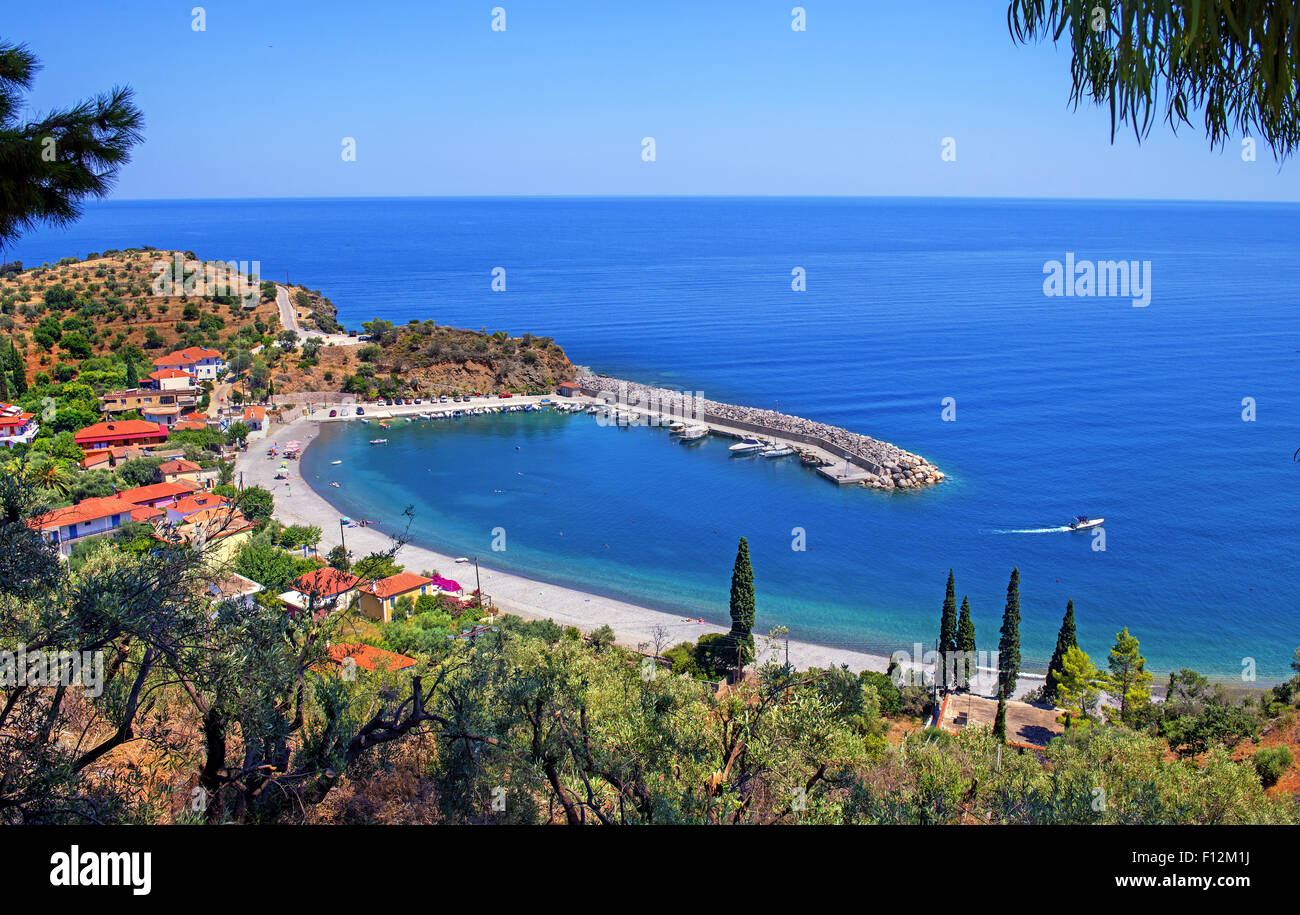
{"x": 140, "y": 303}
{"x": 75, "y": 309}
{"x": 424, "y": 357}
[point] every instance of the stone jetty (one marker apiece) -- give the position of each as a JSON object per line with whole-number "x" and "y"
{"x": 883, "y": 465}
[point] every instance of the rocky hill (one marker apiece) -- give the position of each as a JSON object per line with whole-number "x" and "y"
{"x": 424, "y": 357}
{"x": 156, "y": 300}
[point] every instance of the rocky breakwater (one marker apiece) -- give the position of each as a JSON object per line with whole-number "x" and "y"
{"x": 883, "y": 465}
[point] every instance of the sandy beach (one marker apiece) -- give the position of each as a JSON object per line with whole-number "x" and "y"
{"x": 633, "y": 625}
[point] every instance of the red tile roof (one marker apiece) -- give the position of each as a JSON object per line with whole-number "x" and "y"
{"x": 14, "y": 419}
{"x": 393, "y": 585}
{"x": 326, "y": 582}
{"x": 85, "y": 510}
{"x": 188, "y": 424}
{"x": 145, "y": 513}
{"x": 199, "y": 502}
{"x": 120, "y": 429}
{"x": 95, "y": 458}
{"x": 368, "y": 657}
{"x": 160, "y": 374}
{"x": 179, "y": 465}
{"x": 255, "y": 412}
{"x": 155, "y": 491}
{"x": 186, "y": 356}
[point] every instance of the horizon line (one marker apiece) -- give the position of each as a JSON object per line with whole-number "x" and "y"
{"x": 600, "y": 196}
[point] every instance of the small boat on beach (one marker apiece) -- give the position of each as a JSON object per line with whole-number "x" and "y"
{"x": 462, "y": 559}
{"x": 1083, "y": 522}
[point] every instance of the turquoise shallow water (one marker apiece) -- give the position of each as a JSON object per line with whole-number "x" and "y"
{"x": 1064, "y": 405}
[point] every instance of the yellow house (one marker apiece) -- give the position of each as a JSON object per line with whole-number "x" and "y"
{"x": 379, "y": 598}
{"x": 179, "y": 469}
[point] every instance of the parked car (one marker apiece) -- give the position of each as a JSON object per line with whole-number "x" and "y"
{"x": 361, "y": 411}
{"x": 504, "y": 396}
{"x": 334, "y": 412}
{"x": 442, "y": 399}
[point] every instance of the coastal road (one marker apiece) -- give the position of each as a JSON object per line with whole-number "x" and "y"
{"x": 289, "y": 321}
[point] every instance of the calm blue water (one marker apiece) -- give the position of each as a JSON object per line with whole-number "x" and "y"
{"x": 1064, "y": 405}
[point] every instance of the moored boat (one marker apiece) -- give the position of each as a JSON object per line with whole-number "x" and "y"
{"x": 748, "y": 445}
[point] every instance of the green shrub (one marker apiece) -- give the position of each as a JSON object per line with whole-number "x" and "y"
{"x": 1271, "y": 763}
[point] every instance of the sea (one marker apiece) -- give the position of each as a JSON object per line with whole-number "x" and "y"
{"x": 1173, "y": 411}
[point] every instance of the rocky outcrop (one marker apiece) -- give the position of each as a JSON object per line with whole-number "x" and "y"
{"x": 887, "y": 465}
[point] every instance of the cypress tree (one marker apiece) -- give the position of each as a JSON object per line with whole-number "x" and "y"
{"x": 4, "y": 382}
{"x": 966, "y": 642}
{"x": 742, "y": 601}
{"x": 1009, "y": 640}
{"x": 947, "y": 631}
{"x": 132, "y": 377}
{"x": 20, "y": 371}
{"x": 1000, "y": 719}
{"x": 1065, "y": 640}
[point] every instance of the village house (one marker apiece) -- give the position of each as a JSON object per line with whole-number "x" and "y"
{"x": 170, "y": 380}
{"x": 324, "y": 588}
{"x": 158, "y": 495}
{"x": 368, "y": 657}
{"x": 170, "y": 401}
{"x": 17, "y": 427}
{"x": 62, "y": 527}
{"x": 119, "y": 433}
{"x": 218, "y": 532}
{"x": 234, "y": 589}
{"x": 203, "y": 364}
{"x": 379, "y": 598}
{"x": 185, "y": 506}
{"x": 179, "y": 469}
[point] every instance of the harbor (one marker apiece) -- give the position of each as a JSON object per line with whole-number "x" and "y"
{"x": 837, "y": 455}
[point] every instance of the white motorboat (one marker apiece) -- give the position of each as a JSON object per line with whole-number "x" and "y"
{"x": 748, "y": 445}
{"x": 777, "y": 451}
{"x": 693, "y": 433}
{"x": 379, "y": 441}
{"x": 1083, "y": 522}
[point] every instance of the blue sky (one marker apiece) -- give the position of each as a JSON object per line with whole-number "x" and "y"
{"x": 738, "y": 103}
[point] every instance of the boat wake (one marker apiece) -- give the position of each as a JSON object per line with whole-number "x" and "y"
{"x": 1034, "y": 530}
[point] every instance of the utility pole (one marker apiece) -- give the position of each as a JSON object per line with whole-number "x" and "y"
{"x": 342, "y": 539}
{"x": 478, "y": 583}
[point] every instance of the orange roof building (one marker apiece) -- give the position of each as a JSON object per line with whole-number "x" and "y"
{"x": 119, "y": 432}
{"x": 88, "y": 518}
{"x": 368, "y": 657}
{"x": 159, "y": 494}
{"x": 16, "y": 427}
{"x": 379, "y": 598}
{"x": 321, "y": 588}
{"x": 202, "y": 363}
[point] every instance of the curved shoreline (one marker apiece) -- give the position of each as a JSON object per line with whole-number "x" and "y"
{"x": 296, "y": 502}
